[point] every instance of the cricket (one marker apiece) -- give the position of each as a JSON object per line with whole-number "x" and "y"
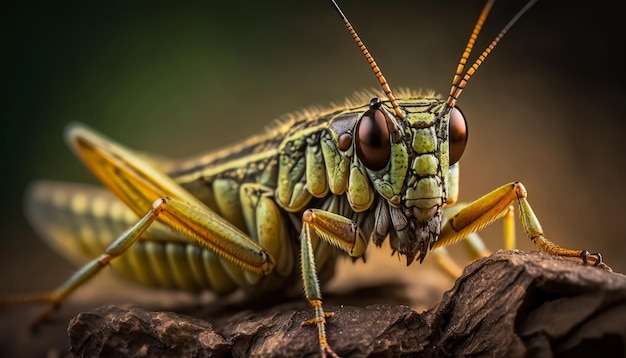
{"x": 273, "y": 213}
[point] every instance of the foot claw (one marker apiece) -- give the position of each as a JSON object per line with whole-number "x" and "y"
{"x": 596, "y": 258}
{"x": 584, "y": 255}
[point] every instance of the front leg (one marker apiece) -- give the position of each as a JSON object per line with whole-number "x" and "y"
{"x": 495, "y": 205}
{"x": 338, "y": 231}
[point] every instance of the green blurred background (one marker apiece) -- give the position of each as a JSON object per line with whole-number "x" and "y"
{"x": 179, "y": 79}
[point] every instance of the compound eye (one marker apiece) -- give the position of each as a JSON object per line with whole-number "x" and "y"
{"x": 373, "y": 144}
{"x": 458, "y": 135}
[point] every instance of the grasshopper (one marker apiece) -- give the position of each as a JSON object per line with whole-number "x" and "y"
{"x": 322, "y": 184}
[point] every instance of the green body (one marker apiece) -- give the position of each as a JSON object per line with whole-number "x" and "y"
{"x": 260, "y": 186}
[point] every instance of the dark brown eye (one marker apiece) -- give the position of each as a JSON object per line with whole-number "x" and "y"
{"x": 458, "y": 135}
{"x": 373, "y": 146}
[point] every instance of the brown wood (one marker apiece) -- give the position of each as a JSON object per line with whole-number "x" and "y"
{"x": 511, "y": 304}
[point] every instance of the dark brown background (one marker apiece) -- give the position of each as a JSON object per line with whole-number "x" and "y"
{"x": 545, "y": 108}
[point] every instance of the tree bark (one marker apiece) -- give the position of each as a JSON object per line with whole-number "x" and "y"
{"x": 511, "y": 304}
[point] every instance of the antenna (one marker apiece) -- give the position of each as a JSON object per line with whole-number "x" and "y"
{"x": 458, "y": 82}
{"x": 370, "y": 60}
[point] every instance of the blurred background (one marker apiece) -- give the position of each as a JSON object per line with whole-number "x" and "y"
{"x": 544, "y": 109}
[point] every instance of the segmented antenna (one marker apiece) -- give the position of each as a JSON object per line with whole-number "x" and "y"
{"x": 370, "y": 60}
{"x": 458, "y": 82}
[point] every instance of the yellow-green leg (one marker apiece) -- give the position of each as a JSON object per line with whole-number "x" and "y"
{"x": 339, "y": 231}
{"x": 497, "y": 204}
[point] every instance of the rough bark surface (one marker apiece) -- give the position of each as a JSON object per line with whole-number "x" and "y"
{"x": 511, "y": 304}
